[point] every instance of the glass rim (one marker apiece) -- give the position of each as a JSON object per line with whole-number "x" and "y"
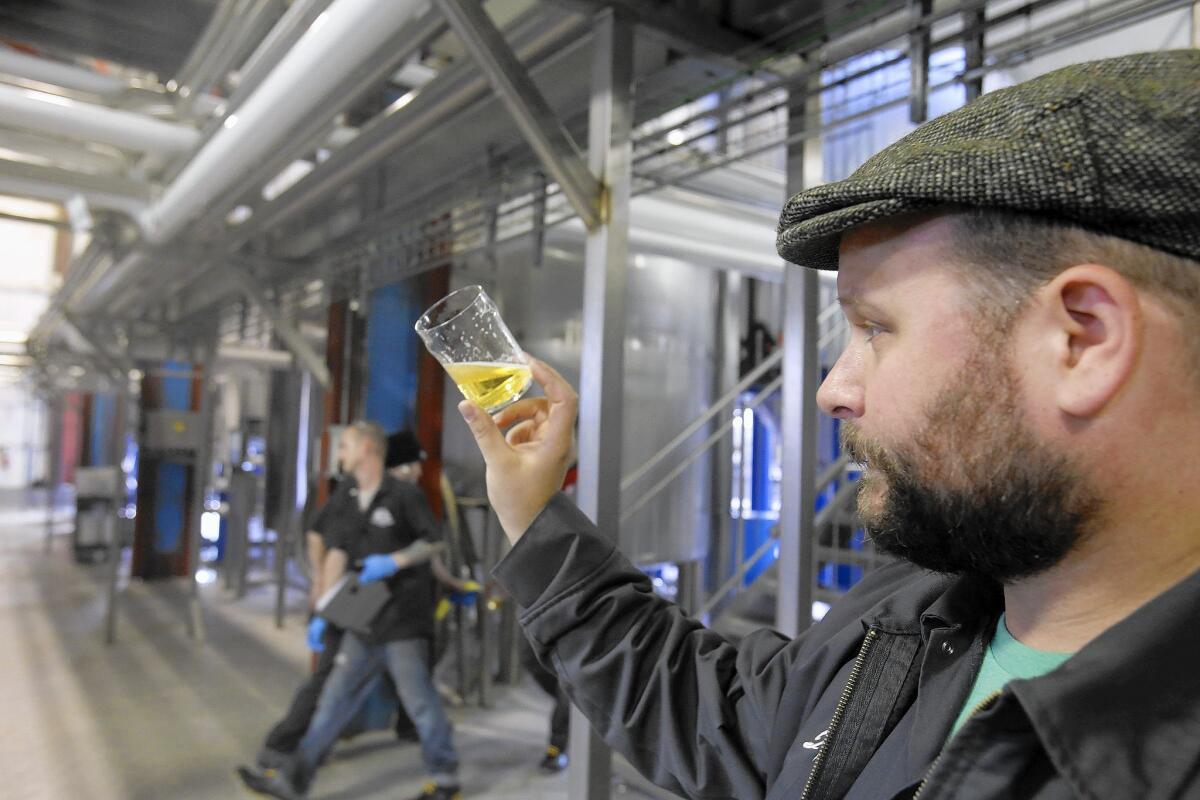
{"x": 422, "y": 328}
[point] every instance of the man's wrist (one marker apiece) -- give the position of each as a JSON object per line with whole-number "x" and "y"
{"x": 400, "y": 560}
{"x": 516, "y": 526}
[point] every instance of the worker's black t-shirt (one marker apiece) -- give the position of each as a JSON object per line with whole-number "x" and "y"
{"x": 397, "y": 517}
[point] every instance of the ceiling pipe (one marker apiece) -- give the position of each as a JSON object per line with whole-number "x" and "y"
{"x": 55, "y": 73}
{"x": 108, "y": 192}
{"x": 61, "y": 116}
{"x": 450, "y": 93}
{"x": 332, "y": 47}
{"x": 235, "y": 355}
{"x": 254, "y": 19}
{"x": 62, "y": 153}
{"x": 217, "y": 24}
{"x": 290, "y": 27}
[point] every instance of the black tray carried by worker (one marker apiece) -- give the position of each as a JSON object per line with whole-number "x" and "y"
{"x": 353, "y": 606}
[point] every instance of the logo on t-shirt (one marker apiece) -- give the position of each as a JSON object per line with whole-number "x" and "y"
{"x": 382, "y": 518}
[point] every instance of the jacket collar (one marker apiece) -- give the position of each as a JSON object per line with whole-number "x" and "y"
{"x": 1121, "y": 718}
{"x": 935, "y": 600}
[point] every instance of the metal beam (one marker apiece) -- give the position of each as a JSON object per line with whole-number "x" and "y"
{"x": 118, "y": 367}
{"x": 801, "y": 376}
{"x": 686, "y": 32}
{"x": 53, "y": 223}
{"x": 201, "y": 472}
{"x": 287, "y": 333}
{"x": 532, "y": 114}
{"x": 602, "y": 373}
{"x": 974, "y": 25}
{"x": 918, "y": 59}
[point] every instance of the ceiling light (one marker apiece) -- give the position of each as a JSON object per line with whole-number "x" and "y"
{"x": 239, "y": 215}
{"x": 401, "y": 102}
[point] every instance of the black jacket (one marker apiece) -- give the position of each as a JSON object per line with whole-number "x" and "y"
{"x": 861, "y": 704}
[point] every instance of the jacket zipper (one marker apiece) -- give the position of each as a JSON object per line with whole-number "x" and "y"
{"x": 980, "y": 706}
{"x": 839, "y": 712}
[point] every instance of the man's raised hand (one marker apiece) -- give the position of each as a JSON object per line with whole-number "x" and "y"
{"x": 527, "y": 466}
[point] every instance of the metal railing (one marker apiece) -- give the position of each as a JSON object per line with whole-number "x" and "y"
{"x": 827, "y": 319}
{"x": 832, "y": 328}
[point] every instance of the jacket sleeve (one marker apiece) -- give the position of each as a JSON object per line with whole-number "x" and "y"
{"x": 687, "y": 708}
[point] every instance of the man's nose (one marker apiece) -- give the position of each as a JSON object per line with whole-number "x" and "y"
{"x": 841, "y": 394}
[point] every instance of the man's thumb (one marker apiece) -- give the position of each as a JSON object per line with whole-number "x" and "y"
{"x": 487, "y": 435}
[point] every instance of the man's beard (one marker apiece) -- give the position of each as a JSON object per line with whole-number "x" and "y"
{"x": 976, "y": 492}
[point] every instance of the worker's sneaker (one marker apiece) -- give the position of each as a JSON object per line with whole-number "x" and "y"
{"x": 269, "y": 783}
{"x": 440, "y": 791}
{"x": 267, "y": 758}
{"x": 555, "y": 760}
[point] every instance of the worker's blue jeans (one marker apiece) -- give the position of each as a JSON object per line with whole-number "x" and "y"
{"x": 407, "y": 661}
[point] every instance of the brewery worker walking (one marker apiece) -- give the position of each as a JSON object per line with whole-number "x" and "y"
{"x": 393, "y": 540}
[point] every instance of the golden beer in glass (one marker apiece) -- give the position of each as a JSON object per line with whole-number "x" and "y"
{"x": 465, "y": 333}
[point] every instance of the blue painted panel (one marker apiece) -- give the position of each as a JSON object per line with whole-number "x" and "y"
{"x": 170, "y": 494}
{"x": 101, "y": 429}
{"x": 392, "y": 350}
{"x": 177, "y": 392}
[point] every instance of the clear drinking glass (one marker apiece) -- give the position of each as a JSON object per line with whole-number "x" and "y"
{"x": 465, "y": 333}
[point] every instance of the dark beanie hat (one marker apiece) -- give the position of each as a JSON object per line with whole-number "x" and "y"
{"x": 402, "y": 448}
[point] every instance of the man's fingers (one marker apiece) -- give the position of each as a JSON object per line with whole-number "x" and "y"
{"x": 520, "y": 410}
{"x": 564, "y": 403}
{"x": 554, "y": 385}
{"x": 487, "y": 435}
{"x": 521, "y": 432}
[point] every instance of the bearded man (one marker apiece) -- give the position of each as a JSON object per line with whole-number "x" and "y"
{"x": 1022, "y": 277}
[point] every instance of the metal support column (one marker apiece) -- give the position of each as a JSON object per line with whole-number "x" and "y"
{"x": 1196, "y": 24}
{"x": 201, "y": 472}
{"x": 54, "y": 419}
{"x": 116, "y": 546}
{"x": 601, "y": 382}
{"x": 918, "y": 58}
{"x": 529, "y": 109}
{"x": 287, "y": 333}
{"x": 973, "y": 30}
{"x": 801, "y": 376}
{"x": 726, "y": 355}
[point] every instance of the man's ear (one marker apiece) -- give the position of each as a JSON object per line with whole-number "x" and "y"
{"x": 1091, "y": 319}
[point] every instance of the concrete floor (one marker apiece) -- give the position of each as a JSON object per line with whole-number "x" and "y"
{"x": 158, "y": 717}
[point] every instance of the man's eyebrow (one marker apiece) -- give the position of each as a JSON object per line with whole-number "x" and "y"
{"x": 856, "y": 302}
{"x": 851, "y": 300}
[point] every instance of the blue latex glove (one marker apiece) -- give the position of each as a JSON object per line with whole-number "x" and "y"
{"x": 316, "y": 634}
{"x": 466, "y": 598}
{"x": 377, "y": 568}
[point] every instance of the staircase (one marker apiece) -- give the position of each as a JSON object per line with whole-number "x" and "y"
{"x": 743, "y": 600}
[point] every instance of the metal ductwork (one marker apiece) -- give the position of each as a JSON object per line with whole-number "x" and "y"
{"x": 61, "y": 116}
{"x": 305, "y": 80}
{"x": 53, "y": 73}
{"x": 59, "y": 185}
{"x": 453, "y": 91}
{"x": 331, "y": 48}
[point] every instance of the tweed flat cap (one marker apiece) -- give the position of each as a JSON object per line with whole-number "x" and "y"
{"x": 1110, "y": 145}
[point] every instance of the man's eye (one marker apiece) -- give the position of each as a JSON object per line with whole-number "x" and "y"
{"x": 871, "y": 330}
